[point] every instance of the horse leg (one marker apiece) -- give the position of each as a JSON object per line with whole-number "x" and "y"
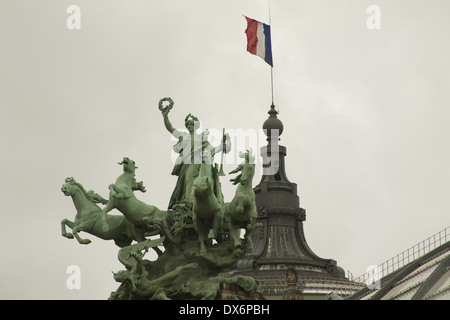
{"x": 78, "y": 228}
{"x": 235, "y": 233}
{"x": 239, "y": 205}
{"x": 248, "y": 239}
{"x": 116, "y": 192}
{"x": 250, "y": 227}
{"x": 70, "y": 224}
{"x": 213, "y": 232}
{"x": 108, "y": 207}
{"x": 202, "y": 239}
{"x": 236, "y": 236}
{"x": 201, "y": 233}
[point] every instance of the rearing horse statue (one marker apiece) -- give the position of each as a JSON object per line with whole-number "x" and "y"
{"x": 241, "y": 211}
{"x": 89, "y": 217}
{"x": 145, "y": 218}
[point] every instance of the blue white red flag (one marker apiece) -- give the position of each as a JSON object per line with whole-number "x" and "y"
{"x": 258, "y": 40}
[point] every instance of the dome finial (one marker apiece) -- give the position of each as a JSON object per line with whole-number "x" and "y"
{"x": 272, "y": 111}
{"x": 273, "y": 123}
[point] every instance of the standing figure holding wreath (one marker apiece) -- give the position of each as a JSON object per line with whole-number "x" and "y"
{"x": 191, "y": 148}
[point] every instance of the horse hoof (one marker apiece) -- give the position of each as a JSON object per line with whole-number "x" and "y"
{"x": 86, "y": 241}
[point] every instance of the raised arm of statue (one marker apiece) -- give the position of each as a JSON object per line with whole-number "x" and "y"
{"x": 165, "y": 112}
{"x": 167, "y": 122}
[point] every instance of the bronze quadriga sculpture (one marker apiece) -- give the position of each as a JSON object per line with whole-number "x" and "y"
{"x": 197, "y": 238}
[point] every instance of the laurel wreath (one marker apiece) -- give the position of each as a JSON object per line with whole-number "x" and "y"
{"x": 168, "y": 107}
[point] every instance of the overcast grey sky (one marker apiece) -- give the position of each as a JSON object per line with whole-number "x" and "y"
{"x": 366, "y": 116}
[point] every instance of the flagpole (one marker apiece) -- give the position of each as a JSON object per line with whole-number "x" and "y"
{"x": 271, "y": 81}
{"x": 271, "y": 67}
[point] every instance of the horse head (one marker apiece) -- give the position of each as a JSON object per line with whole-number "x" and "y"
{"x": 248, "y": 156}
{"x": 69, "y": 187}
{"x": 203, "y": 187}
{"x": 203, "y": 183}
{"x": 128, "y": 165}
{"x": 247, "y": 168}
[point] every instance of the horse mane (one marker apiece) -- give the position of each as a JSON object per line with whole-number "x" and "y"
{"x": 95, "y": 197}
{"x": 237, "y": 180}
{"x": 90, "y": 195}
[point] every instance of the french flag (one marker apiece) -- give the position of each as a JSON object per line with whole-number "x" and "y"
{"x": 258, "y": 40}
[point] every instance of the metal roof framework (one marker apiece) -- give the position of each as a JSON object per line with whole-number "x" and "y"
{"x": 425, "y": 278}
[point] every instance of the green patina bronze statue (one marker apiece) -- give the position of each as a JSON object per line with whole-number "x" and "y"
{"x": 197, "y": 238}
{"x": 90, "y": 218}
{"x": 193, "y": 149}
